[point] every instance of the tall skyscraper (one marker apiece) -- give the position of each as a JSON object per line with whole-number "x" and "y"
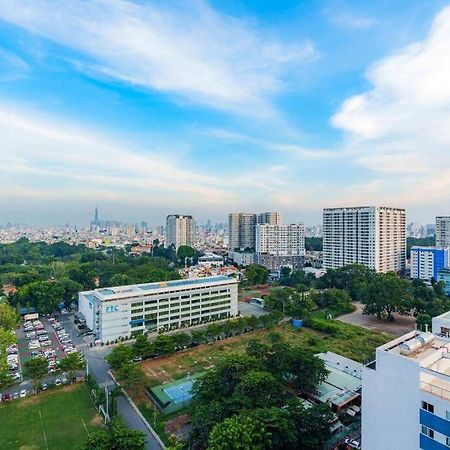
{"x": 242, "y": 228}
{"x": 371, "y": 235}
{"x": 180, "y": 230}
{"x": 96, "y": 215}
{"x": 271, "y": 218}
{"x": 443, "y": 231}
{"x": 241, "y": 231}
{"x": 280, "y": 245}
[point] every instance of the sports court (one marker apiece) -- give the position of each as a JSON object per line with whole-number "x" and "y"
{"x": 180, "y": 392}
{"x": 171, "y": 397}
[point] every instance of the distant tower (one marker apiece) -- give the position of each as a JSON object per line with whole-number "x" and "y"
{"x": 96, "y": 215}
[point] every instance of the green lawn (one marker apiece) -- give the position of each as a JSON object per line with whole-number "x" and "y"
{"x": 54, "y": 420}
{"x": 354, "y": 342}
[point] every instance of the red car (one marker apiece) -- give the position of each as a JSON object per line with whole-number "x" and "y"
{"x": 6, "y": 397}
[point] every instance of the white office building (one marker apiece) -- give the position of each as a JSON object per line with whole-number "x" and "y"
{"x": 374, "y": 236}
{"x": 443, "y": 231}
{"x": 122, "y": 311}
{"x": 406, "y": 392}
{"x": 280, "y": 245}
{"x": 180, "y": 230}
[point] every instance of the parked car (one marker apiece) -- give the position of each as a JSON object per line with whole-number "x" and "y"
{"x": 23, "y": 393}
{"x": 7, "y": 397}
{"x": 15, "y": 396}
{"x": 57, "y": 382}
{"x": 44, "y": 386}
{"x": 352, "y": 443}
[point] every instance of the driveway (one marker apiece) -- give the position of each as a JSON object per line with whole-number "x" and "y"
{"x": 400, "y": 326}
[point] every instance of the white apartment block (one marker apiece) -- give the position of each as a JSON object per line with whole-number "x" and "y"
{"x": 180, "y": 230}
{"x": 242, "y": 228}
{"x": 280, "y": 245}
{"x": 374, "y": 236}
{"x": 406, "y": 392}
{"x": 116, "y": 312}
{"x": 443, "y": 231}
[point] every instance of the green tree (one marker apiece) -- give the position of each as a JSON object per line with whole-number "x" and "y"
{"x": 312, "y": 425}
{"x": 239, "y": 433}
{"x": 43, "y": 295}
{"x": 131, "y": 377}
{"x": 279, "y": 423}
{"x": 258, "y": 389}
{"x": 164, "y": 345}
{"x": 71, "y": 289}
{"x": 116, "y": 437}
{"x": 8, "y": 317}
{"x": 142, "y": 348}
{"x": 185, "y": 251}
{"x": 71, "y": 364}
{"x": 182, "y": 340}
{"x": 36, "y": 369}
{"x": 256, "y": 274}
{"x": 120, "y": 355}
{"x": 423, "y": 320}
{"x": 386, "y": 294}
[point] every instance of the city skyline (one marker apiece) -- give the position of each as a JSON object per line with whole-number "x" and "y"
{"x": 205, "y": 107}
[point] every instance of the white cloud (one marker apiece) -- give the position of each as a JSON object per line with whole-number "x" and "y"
{"x": 183, "y": 48}
{"x": 54, "y": 161}
{"x": 341, "y": 14}
{"x": 401, "y": 127}
{"x": 11, "y": 66}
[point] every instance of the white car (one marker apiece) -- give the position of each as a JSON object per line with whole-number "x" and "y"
{"x": 23, "y": 393}
{"x": 57, "y": 382}
{"x": 352, "y": 443}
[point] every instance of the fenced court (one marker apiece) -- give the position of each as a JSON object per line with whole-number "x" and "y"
{"x": 172, "y": 397}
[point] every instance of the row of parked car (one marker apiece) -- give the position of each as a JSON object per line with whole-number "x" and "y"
{"x": 63, "y": 336}
{"x": 37, "y": 336}
{"x": 40, "y": 344}
{"x": 13, "y": 361}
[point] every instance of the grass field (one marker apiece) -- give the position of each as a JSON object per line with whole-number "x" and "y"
{"x": 54, "y": 420}
{"x": 348, "y": 340}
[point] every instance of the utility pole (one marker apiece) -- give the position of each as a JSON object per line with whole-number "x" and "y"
{"x": 107, "y": 402}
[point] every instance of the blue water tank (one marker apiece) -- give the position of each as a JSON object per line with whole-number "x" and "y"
{"x": 297, "y": 323}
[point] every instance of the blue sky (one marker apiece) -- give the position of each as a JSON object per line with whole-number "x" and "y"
{"x": 148, "y": 108}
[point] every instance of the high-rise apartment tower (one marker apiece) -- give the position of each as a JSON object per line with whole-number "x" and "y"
{"x": 443, "y": 231}
{"x": 180, "y": 230}
{"x": 374, "y": 236}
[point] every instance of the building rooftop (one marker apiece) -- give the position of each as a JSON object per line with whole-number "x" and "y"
{"x": 343, "y": 383}
{"x": 141, "y": 289}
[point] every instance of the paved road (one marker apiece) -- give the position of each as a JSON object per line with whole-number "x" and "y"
{"x": 98, "y": 368}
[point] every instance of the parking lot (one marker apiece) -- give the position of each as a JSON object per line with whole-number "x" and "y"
{"x": 46, "y": 338}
